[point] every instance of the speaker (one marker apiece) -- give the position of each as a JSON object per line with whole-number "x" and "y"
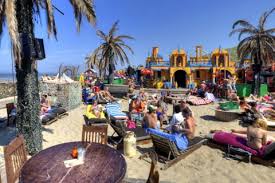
{"x": 28, "y": 49}
{"x": 32, "y": 49}
{"x": 39, "y": 49}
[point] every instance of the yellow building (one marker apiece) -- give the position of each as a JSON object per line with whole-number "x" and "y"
{"x": 183, "y": 72}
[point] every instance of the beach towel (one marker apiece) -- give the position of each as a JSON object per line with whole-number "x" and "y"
{"x": 237, "y": 141}
{"x": 193, "y": 100}
{"x": 114, "y": 111}
{"x": 180, "y": 140}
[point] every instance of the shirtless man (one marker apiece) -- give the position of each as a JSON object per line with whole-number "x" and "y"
{"x": 150, "y": 119}
{"x": 189, "y": 124}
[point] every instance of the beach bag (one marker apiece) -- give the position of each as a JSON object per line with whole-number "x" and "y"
{"x": 131, "y": 124}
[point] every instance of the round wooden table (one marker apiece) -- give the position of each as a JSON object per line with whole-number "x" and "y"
{"x": 102, "y": 164}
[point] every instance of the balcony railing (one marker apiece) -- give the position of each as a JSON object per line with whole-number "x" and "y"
{"x": 200, "y": 64}
{"x": 159, "y": 64}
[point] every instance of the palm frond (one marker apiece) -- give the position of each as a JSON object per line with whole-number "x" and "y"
{"x": 86, "y": 8}
{"x": 242, "y": 31}
{"x": 113, "y": 29}
{"x": 264, "y": 17}
{"x": 244, "y": 24}
{"x": 50, "y": 18}
{"x": 10, "y": 13}
{"x": 270, "y": 31}
{"x": 2, "y": 17}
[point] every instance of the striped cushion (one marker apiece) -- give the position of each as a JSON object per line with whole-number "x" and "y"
{"x": 114, "y": 111}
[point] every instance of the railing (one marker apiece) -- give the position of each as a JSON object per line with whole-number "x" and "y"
{"x": 159, "y": 64}
{"x": 200, "y": 64}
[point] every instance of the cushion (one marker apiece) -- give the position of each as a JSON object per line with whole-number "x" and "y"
{"x": 181, "y": 141}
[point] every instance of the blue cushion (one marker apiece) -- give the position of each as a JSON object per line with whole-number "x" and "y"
{"x": 180, "y": 140}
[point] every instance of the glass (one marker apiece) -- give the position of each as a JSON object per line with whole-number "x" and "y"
{"x": 81, "y": 154}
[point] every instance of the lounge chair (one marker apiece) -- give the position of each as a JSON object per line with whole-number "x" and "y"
{"x": 238, "y": 150}
{"x": 59, "y": 111}
{"x": 94, "y": 121}
{"x": 114, "y": 112}
{"x": 120, "y": 130}
{"x": 169, "y": 153}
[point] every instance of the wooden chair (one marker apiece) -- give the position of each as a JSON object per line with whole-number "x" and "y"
{"x": 10, "y": 107}
{"x": 94, "y": 134}
{"x": 169, "y": 153}
{"x": 15, "y": 156}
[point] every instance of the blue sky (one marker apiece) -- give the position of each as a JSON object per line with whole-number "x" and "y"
{"x": 168, "y": 24}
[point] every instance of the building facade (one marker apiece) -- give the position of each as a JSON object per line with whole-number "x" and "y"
{"x": 184, "y": 72}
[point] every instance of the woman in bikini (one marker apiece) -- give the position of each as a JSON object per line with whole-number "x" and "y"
{"x": 256, "y": 134}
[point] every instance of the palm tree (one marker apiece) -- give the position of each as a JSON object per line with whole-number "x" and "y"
{"x": 259, "y": 44}
{"x": 19, "y": 16}
{"x": 112, "y": 49}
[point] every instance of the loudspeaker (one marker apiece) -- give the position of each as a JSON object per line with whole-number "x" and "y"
{"x": 28, "y": 49}
{"x": 32, "y": 49}
{"x": 39, "y": 49}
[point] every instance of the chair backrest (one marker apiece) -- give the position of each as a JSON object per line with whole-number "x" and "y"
{"x": 15, "y": 156}
{"x": 9, "y": 107}
{"x": 119, "y": 129}
{"x": 164, "y": 146}
{"x": 94, "y": 134}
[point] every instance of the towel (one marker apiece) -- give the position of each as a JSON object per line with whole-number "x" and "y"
{"x": 180, "y": 140}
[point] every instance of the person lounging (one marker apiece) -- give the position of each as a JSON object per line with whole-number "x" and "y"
{"x": 45, "y": 104}
{"x": 95, "y": 111}
{"x": 150, "y": 119}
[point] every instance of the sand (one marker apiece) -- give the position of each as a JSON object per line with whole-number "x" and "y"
{"x": 204, "y": 165}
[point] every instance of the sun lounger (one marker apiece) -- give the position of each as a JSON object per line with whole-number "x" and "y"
{"x": 59, "y": 111}
{"x": 235, "y": 146}
{"x": 120, "y": 130}
{"x": 48, "y": 118}
{"x": 94, "y": 121}
{"x": 193, "y": 100}
{"x": 114, "y": 112}
{"x": 169, "y": 149}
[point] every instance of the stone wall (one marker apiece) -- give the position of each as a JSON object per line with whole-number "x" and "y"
{"x": 69, "y": 95}
{"x": 7, "y": 89}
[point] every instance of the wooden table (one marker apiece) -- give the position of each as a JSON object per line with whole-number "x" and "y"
{"x": 102, "y": 164}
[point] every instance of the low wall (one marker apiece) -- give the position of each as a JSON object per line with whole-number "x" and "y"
{"x": 69, "y": 95}
{"x": 7, "y": 89}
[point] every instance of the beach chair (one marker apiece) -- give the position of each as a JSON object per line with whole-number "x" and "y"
{"x": 114, "y": 112}
{"x": 15, "y": 156}
{"x": 168, "y": 152}
{"x": 94, "y": 121}
{"x": 94, "y": 134}
{"x": 120, "y": 130}
{"x": 59, "y": 111}
{"x": 241, "y": 154}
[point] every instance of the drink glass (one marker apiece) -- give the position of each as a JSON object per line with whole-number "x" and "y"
{"x": 81, "y": 154}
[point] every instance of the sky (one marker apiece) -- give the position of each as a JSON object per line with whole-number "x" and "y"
{"x": 168, "y": 24}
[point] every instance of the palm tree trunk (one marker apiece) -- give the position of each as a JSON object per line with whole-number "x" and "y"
{"x": 28, "y": 104}
{"x": 257, "y": 70}
{"x": 111, "y": 72}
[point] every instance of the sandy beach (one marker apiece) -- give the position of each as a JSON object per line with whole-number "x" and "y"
{"x": 204, "y": 165}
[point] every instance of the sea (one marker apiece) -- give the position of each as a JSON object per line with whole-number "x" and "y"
{"x": 8, "y": 77}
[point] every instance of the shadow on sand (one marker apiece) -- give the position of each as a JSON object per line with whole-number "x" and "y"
{"x": 209, "y": 118}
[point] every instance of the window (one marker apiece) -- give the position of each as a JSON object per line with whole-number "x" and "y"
{"x": 179, "y": 61}
{"x": 198, "y": 74}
